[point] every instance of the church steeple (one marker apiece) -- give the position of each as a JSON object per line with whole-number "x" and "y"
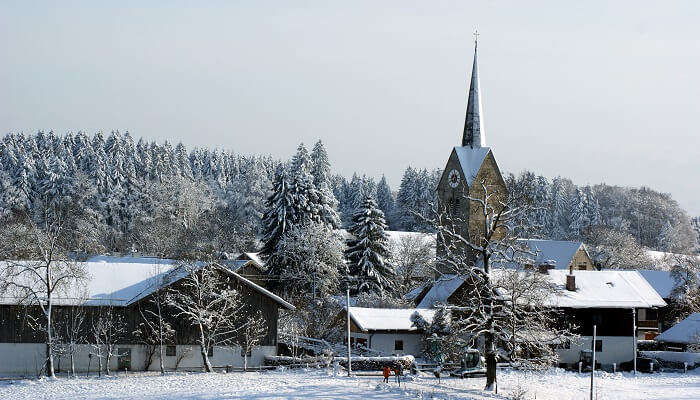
{"x": 474, "y": 134}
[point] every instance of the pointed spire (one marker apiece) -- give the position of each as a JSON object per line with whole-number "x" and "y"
{"x": 474, "y": 134}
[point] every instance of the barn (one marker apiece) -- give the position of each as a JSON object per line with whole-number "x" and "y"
{"x": 124, "y": 285}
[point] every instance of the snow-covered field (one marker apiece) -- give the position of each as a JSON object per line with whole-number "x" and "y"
{"x": 320, "y": 384}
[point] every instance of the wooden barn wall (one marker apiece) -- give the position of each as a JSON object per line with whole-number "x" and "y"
{"x": 14, "y": 326}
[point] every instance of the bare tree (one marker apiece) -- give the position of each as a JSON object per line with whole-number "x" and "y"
{"x": 529, "y": 330}
{"x": 154, "y": 330}
{"x": 252, "y": 333}
{"x": 207, "y": 300}
{"x": 616, "y": 249}
{"x": 471, "y": 254}
{"x": 71, "y": 331}
{"x": 685, "y": 294}
{"x": 45, "y": 272}
{"x": 414, "y": 256}
{"x": 107, "y": 330}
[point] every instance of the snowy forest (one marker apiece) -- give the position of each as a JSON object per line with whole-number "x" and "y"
{"x": 129, "y": 192}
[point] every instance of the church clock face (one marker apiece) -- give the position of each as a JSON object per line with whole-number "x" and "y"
{"x": 453, "y": 178}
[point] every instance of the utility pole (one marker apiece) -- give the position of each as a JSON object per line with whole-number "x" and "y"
{"x": 634, "y": 339}
{"x": 347, "y": 311}
{"x": 592, "y": 360}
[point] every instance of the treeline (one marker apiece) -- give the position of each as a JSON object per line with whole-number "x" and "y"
{"x": 131, "y": 191}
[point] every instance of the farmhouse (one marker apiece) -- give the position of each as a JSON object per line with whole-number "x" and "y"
{"x": 125, "y": 285}
{"x": 607, "y": 299}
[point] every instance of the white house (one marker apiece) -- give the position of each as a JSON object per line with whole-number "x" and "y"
{"x": 387, "y": 330}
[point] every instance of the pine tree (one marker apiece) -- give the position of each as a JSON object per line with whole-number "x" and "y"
{"x": 368, "y": 252}
{"x": 321, "y": 172}
{"x": 279, "y": 215}
{"x": 305, "y": 197}
{"x": 406, "y": 201}
{"x": 385, "y": 201}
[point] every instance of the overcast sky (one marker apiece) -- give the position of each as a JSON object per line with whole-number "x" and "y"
{"x": 598, "y": 92}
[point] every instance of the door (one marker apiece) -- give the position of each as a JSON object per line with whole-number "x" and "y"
{"x": 124, "y": 360}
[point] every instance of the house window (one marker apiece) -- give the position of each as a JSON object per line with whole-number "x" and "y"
{"x": 210, "y": 351}
{"x": 244, "y": 353}
{"x": 598, "y": 345}
{"x": 582, "y": 267}
{"x": 651, "y": 314}
{"x": 170, "y": 351}
{"x": 398, "y": 344}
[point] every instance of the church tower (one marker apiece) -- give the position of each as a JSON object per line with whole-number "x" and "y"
{"x": 469, "y": 169}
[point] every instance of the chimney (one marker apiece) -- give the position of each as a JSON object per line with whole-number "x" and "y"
{"x": 571, "y": 283}
{"x": 545, "y": 267}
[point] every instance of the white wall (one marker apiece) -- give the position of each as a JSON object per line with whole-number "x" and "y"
{"x": 616, "y": 349}
{"x": 384, "y": 342}
{"x": 25, "y": 358}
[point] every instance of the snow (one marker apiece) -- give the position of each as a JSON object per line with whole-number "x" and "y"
{"x": 661, "y": 281}
{"x": 321, "y": 384}
{"x": 441, "y": 290}
{"x": 686, "y": 331}
{"x": 395, "y": 319}
{"x": 113, "y": 280}
{"x": 253, "y": 257}
{"x": 120, "y": 281}
{"x": 605, "y": 289}
{"x": 559, "y": 252}
{"x": 394, "y": 236}
{"x": 674, "y": 356}
{"x": 594, "y": 289}
{"x": 471, "y": 159}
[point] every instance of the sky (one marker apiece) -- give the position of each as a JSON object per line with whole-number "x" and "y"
{"x": 593, "y": 91}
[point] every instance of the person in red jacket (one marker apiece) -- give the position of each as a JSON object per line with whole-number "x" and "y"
{"x": 386, "y": 372}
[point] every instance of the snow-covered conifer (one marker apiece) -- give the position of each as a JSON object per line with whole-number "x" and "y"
{"x": 368, "y": 251}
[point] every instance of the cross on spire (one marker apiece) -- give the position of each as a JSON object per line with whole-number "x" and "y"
{"x": 476, "y": 37}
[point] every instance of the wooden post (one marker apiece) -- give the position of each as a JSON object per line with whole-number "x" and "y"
{"x": 592, "y": 360}
{"x": 347, "y": 309}
{"x": 634, "y": 340}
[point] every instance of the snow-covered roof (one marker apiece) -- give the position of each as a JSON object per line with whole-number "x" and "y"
{"x": 387, "y": 319}
{"x": 255, "y": 257}
{"x": 661, "y": 281}
{"x": 394, "y": 236}
{"x": 604, "y": 289}
{"x": 558, "y": 253}
{"x": 121, "y": 281}
{"x": 594, "y": 289}
{"x": 471, "y": 159}
{"x": 686, "y": 331}
{"x": 441, "y": 290}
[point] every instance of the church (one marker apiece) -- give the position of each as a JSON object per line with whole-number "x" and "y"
{"x": 471, "y": 173}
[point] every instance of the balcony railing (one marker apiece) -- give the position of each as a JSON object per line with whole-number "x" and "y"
{"x": 652, "y": 323}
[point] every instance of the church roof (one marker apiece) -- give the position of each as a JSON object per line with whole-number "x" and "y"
{"x": 471, "y": 160}
{"x": 474, "y": 135}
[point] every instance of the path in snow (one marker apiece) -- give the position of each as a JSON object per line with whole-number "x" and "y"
{"x": 319, "y": 384}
